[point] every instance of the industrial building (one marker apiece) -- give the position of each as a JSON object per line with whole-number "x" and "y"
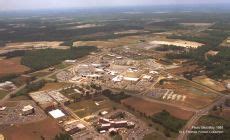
{"x": 27, "y": 110}
{"x": 57, "y": 96}
{"x": 107, "y": 124}
{"x": 43, "y": 100}
{"x": 57, "y": 114}
{"x": 73, "y": 127}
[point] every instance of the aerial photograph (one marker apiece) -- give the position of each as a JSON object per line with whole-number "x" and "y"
{"x": 114, "y": 70}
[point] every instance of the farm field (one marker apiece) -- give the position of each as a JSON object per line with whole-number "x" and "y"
{"x": 197, "y": 96}
{"x": 151, "y": 108}
{"x": 209, "y": 83}
{"x": 12, "y": 66}
{"x": 46, "y": 129}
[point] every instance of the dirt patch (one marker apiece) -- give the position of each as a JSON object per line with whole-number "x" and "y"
{"x": 12, "y": 66}
{"x": 47, "y": 128}
{"x": 150, "y": 108}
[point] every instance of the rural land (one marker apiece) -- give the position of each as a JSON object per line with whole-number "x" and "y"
{"x": 115, "y": 74}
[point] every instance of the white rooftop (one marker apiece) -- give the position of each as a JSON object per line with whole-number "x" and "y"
{"x": 80, "y": 126}
{"x": 56, "y": 113}
{"x": 28, "y": 107}
{"x": 104, "y": 112}
{"x": 131, "y": 79}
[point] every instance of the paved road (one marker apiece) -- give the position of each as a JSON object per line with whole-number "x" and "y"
{"x": 198, "y": 115}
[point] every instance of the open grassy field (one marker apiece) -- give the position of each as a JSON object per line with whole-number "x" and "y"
{"x": 12, "y": 66}
{"x": 88, "y": 107}
{"x": 209, "y": 83}
{"x": 197, "y": 96}
{"x": 46, "y": 129}
{"x": 150, "y": 108}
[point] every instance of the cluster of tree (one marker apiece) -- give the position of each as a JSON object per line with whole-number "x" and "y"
{"x": 215, "y": 121}
{"x": 34, "y": 86}
{"x": 8, "y": 77}
{"x": 168, "y": 121}
{"x": 63, "y": 136}
{"x": 169, "y": 48}
{"x": 67, "y": 43}
{"x": 97, "y": 87}
{"x": 117, "y": 97}
{"x": 40, "y": 59}
{"x": 15, "y": 53}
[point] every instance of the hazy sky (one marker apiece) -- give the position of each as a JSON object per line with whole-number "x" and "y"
{"x": 45, "y": 4}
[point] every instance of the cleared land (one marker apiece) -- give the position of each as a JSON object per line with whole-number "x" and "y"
{"x": 110, "y": 43}
{"x": 161, "y": 40}
{"x": 12, "y": 66}
{"x": 226, "y": 42}
{"x": 209, "y": 83}
{"x": 150, "y": 108}
{"x": 46, "y": 129}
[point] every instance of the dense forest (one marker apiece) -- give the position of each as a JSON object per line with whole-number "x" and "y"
{"x": 168, "y": 121}
{"x": 40, "y": 59}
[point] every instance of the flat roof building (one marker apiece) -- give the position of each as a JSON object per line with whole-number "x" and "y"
{"x": 27, "y": 110}
{"x": 43, "y": 99}
{"x": 73, "y": 127}
{"x": 57, "y": 114}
